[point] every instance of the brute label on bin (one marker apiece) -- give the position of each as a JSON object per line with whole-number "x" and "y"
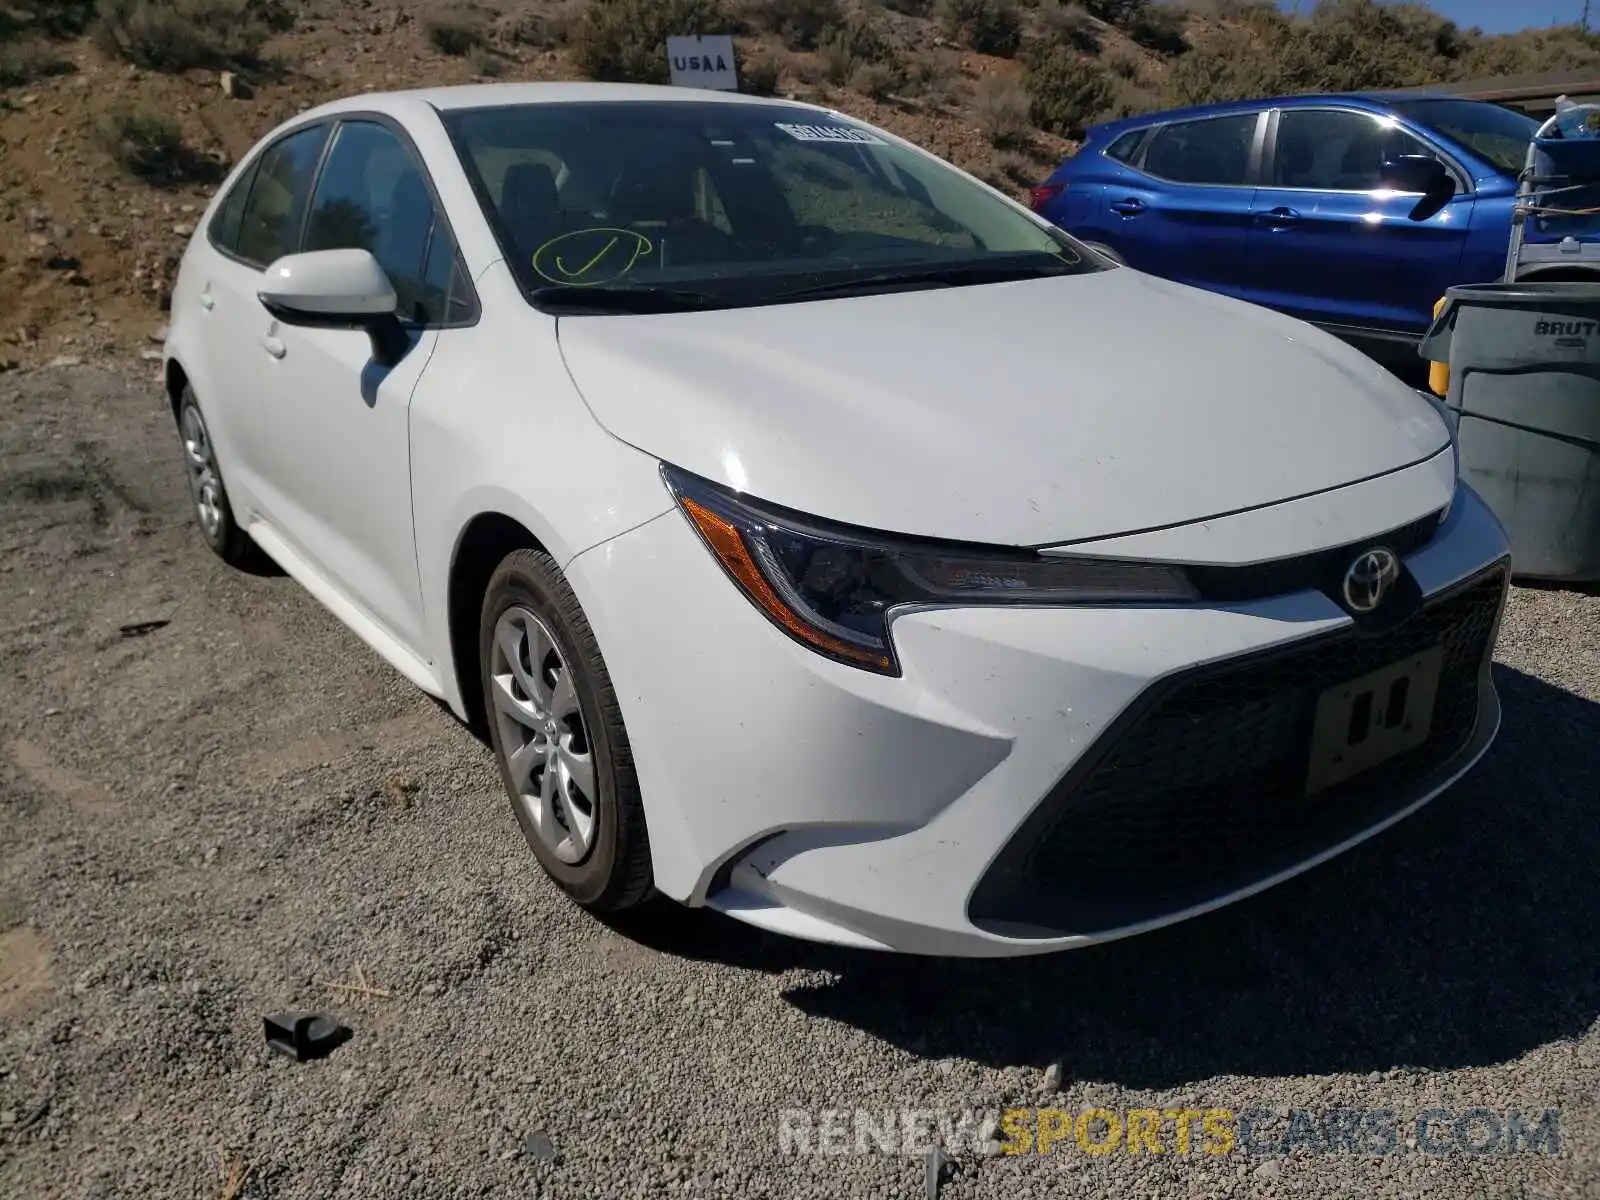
{"x": 1566, "y": 333}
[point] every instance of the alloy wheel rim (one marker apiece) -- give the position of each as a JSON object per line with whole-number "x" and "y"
{"x": 200, "y": 459}
{"x": 543, "y": 739}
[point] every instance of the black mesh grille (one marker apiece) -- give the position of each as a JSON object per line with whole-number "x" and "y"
{"x": 1202, "y": 787}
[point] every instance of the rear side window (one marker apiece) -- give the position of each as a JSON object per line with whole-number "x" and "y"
{"x": 1213, "y": 150}
{"x": 1126, "y": 146}
{"x": 269, "y": 224}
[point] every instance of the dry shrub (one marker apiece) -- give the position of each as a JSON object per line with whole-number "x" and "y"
{"x": 454, "y": 36}
{"x": 856, "y": 43}
{"x": 987, "y": 26}
{"x": 1070, "y": 25}
{"x": 623, "y": 40}
{"x": 1123, "y": 64}
{"x": 177, "y": 35}
{"x": 800, "y": 23}
{"x": 1069, "y": 92}
{"x": 1004, "y": 113}
{"x": 544, "y": 28}
{"x": 875, "y": 79}
{"x": 759, "y": 75}
{"x": 149, "y": 145}
{"x": 28, "y": 60}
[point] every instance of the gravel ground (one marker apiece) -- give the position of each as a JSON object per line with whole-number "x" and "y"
{"x": 214, "y": 819}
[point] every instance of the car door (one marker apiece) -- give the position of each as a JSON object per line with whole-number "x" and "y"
{"x": 336, "y": 466}
{"x": 1182, "y": 209}
{"x": 1331, "y": 244}
{"x": 258, "y": 221}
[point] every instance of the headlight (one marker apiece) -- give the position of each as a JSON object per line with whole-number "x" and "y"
{"x": 834, "y": 589}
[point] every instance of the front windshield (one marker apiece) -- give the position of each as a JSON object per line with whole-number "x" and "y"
{"x": 1499, "y": 136}
{"x": 735, "y": 203}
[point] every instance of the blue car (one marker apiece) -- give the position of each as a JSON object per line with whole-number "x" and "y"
{"x": 1307, "y": 204}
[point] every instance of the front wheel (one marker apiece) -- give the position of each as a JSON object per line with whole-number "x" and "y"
{"x": 207, "y": 493}
{"x": 558, "y": 733}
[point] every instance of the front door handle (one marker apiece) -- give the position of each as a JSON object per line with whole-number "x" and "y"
{"x": 1131, "y": 207}
{"x": 1279, "y": 218}
{"x": 207, "y": 300}
{"x": 273, "y": 345}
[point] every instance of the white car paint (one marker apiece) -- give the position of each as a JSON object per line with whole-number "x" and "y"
{"x": 1133, "y": 418}
{"x": 319, "y": 282}
{"x": 1112, "y": 402}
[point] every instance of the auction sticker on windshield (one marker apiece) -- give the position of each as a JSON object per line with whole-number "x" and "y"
{"x": 831, "y": 133}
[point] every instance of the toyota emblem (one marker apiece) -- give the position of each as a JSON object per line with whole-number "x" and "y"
{"x": 1369, "y": 578}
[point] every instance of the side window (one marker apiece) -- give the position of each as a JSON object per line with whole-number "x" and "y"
{"x": 269, "y": 222}
{"x": 1214, "y": 150}
{"x": 1126, "y": 146}
{"x": 224, "y": 227}
{"x": 372, "y": 195}
{"x": 1328, "y": 150}
{"x": 450, "y": 298}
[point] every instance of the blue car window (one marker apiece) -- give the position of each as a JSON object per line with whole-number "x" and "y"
{"x": 1213, "y": 150}
{"x": 1126, "y": 146}
{"x": 1333, "y": 150}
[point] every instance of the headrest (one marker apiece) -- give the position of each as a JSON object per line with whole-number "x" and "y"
{"x": 528, "y": 198}
{"x": 651, "y": 192}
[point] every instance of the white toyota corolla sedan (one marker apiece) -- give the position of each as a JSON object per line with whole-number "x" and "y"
{"x": 819, "y": 535}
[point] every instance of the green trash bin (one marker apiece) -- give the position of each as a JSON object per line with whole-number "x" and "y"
{"x": 1524, "y": 392}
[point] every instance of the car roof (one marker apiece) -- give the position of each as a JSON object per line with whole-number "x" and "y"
{"x": 1373, "y": 100}
{"x": 493, "y": 95}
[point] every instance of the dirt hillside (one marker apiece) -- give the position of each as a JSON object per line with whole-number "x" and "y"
{"x": 118, "y": 117}
{"x": 88, "y": 250}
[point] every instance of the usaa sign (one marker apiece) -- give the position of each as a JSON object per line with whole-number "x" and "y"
{"x": 703, "y": 62}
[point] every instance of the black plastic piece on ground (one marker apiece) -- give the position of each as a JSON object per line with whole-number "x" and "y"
{"x": 304, "y": 1036}
{"x": 140, "y": 628}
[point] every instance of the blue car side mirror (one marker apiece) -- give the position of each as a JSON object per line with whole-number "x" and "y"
{"x": 1421, "y": 173}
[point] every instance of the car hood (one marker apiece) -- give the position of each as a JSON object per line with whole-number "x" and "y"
{"x": 1030, "y": 413}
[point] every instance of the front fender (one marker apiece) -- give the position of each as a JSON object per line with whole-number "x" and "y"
{"x": 522, "y": 445}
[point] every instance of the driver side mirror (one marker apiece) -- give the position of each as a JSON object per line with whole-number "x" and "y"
{"x": 337, "y": 289}
{"x": 1420, "y": 173}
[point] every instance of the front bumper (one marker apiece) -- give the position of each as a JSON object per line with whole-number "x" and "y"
{"x": 1037, "y": 779}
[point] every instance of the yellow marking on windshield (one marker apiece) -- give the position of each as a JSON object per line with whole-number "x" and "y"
{"x": 611, "y": 262}
{"x": 581, "y": 271}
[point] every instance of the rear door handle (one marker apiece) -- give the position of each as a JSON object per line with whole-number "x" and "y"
{"x": 273, "y": 345}
{"x": 207, "y": 300}
{"x": 1131, "y": 207}
{"x": 1279, "y": 218}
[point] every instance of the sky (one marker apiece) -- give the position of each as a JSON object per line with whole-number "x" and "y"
{"x": 1497, "y": 16}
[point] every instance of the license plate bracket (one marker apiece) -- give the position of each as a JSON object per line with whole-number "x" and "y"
{"x": 1364, "y": 721}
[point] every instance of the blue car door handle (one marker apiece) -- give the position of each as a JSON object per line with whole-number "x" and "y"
{"x": 1131, "y": 207}
{"x": 1279, "y": 218}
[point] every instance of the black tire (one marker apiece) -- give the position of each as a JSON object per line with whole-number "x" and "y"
{"x": 1106, "y": 251}
{"x": 615, "y": 874}
{"x": 226, "y": 539}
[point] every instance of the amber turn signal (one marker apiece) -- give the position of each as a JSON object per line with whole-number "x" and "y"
{"x": 728, "y": 545}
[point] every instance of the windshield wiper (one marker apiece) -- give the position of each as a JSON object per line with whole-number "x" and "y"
{"x": 949, "y": 276}
{"x": 624, "y": 299}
